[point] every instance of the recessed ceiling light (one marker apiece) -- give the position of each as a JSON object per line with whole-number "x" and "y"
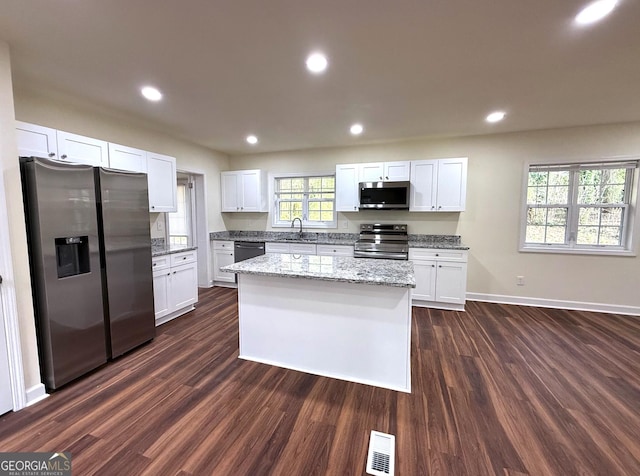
{"x": 595, "y": 11}
{"x": 496, "y": 116}
{"x": 253, "y": 140}
{"x": 356, "y": 129}
{"x": 151, "y": 93}
{"x": 317, "y": 63}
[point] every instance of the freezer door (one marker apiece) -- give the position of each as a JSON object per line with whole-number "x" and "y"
{"x": 62, "y": 229}
{"x": 126, "y": 238}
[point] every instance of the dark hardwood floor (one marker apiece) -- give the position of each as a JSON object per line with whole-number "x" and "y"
{"x": 502, "y": 390}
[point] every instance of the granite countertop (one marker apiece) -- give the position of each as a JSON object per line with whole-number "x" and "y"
{"x": 286, "y": 237}
{"x": 161, "y": 250}
{"x": 381, "y": 272}
{"x": 451, "y": 242}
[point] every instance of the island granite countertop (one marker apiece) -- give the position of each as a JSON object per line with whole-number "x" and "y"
{"x": 381, "y": 272}
{"x": 451, "y": 242}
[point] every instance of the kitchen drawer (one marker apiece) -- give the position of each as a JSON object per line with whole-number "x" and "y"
{"x": 223, "y": 245}
{"x": 334, "y": 250}
{"x": 160, "y": 262}
{"x": 302, "y": 249}
{"x": 277, "y": 247}
{"x": 183, "y": 258}
{"x": 438, "y": 254}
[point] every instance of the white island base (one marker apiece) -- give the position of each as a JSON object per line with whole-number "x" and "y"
{"x": 349, "y": 331}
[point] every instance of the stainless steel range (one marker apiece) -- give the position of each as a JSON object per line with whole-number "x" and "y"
{"x": 382, "y": 241}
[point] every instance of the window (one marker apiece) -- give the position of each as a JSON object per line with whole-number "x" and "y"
{"x": 180, "y": 221}
{"x": 310, "y": 198}
{"x": 579, "y": 207}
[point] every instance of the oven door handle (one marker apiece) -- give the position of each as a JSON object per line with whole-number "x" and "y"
{"x": 380, "y": 254}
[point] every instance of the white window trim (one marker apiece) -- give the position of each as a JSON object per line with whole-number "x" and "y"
{"x": 275, "y": 223}
{"x": 632, "y": 228}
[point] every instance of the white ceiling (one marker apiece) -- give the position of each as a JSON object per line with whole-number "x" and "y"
{"x": 403, "y": 68}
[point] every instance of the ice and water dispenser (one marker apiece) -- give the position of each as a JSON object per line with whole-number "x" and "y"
{"x": 72, "y": 256}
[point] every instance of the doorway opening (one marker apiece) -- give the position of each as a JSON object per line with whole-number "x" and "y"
{"x": 188, "y": 226}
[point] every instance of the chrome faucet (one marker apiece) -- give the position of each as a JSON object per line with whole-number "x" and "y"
{"x": 293, "y": 223}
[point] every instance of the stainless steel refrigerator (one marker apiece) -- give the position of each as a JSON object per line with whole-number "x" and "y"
{"x": 90, "y": 256}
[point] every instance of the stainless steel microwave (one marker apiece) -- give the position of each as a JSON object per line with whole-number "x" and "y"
{"x": 384, "y": 195}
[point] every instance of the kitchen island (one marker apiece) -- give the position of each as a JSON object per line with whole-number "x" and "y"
{"x": 340, "y": 317}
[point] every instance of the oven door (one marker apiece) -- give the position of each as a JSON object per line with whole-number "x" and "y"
{"x": 373, "y": 249}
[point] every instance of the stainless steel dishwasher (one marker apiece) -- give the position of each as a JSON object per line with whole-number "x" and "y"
{"x": 247, "y": 249}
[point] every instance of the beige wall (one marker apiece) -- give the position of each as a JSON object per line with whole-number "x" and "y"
{"x": 491, "y": 223}
{"x": 20, "y": 258}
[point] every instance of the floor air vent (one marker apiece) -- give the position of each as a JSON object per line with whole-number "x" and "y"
{"x": 381, "y": 456}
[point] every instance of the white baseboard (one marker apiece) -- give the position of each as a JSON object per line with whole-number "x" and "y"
{"x": 553, "y": 303}
{"x": 222, "y": 284}
{"x": 36, "y": 394}
{"x": 173, "y": 315}
{"x": 437, "y": 305}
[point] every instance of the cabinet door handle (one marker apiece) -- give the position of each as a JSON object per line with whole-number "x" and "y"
{"x": 437, "y": 254}
{"x": 153, "y": 207}
{"x": 432, "y": 207}
{"x": 168, "y": 274}
{"x": 439, "y": 207}
{"x": 175, "y": 272}
{"x": 52, "y": 154}
{"x": 154, "y": 264}
{"x": 64, "y": 156}
{"x": 387, "y": 178}
{"x": 186, "y": 257}
{"x": 433, "y": 265}
{"x": 440, "y": 266}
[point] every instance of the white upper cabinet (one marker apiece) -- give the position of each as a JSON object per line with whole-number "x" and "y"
{"x": 452, "y": 184}
{"x": 397, "y": 171}
{"x": 230, "y": 195}
{"x": 385, "y": 171}
{"x": 127, "y": 158}
{"x": 371, "y": 172}
{"x": 36, "y": 141}
{"x": 82, "y": 150}
{"x": 251, "y": 186}
{"x": 160, "y": 170}
{"x": 243, "y": 191}
{"x": 161, "y": 174}
{"x": 424, "y": 175}
{"x": 438, "y": 185}
{"x": 347, "y": 178}
{"x": 39, "y": 141}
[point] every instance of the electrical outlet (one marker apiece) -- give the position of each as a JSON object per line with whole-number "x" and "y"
{"x": 345, "y": 224}
{"x": 520, "y": 280}
{"x": 159, "y": 225}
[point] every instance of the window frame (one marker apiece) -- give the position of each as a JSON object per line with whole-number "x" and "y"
{"x": 273, "y": 204}
{"x": 630, "y": 222}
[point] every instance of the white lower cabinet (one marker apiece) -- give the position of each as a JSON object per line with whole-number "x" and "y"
{"x": 223, "y": 255}
{"x": 175, "y": 285}
{"x": 292, "y": 248}
{"x": 441, "y": 277}
{"x": 334, "y": 250}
